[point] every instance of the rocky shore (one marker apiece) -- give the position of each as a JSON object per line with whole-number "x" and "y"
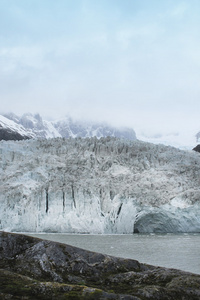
{"x": 32, "y": 268}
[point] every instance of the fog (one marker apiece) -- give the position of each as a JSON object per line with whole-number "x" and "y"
{"x": 130, "y": 63}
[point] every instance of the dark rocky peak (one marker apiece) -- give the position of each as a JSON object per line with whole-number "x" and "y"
{"x": 197, "y": 148}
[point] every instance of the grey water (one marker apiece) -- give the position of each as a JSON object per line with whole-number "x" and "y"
{"x": 179, "y": 251}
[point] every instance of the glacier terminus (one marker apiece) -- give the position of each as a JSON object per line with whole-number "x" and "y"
{"x": 90, "y": 185}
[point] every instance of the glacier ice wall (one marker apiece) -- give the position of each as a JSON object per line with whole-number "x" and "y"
{"x": 98, "y": 186}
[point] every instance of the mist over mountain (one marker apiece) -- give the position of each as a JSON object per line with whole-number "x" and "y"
{"x": 198, "y": 137}
{"x": 184, "y": 140}
{"x": 13, "y": 127}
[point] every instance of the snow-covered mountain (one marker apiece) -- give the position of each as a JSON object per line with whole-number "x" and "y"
{"x": 10, "y": 130}
{"x": 70, "y": 128}
{"x": 95, "y": 185}
{"x": 33, "y": 126}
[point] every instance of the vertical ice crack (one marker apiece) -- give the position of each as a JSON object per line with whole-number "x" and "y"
{"x": 73, "y": 197}
{"x": 119, "y": 210}
{"x": 47, "y": 200}
{"x": 63, "y": 201}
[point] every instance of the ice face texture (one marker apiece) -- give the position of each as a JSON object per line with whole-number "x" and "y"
{"x": 95, "y": 185}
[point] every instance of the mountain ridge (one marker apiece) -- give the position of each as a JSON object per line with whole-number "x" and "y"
{"x": 33, "y": 126}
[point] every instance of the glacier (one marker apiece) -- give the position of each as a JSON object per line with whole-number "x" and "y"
{"x": 90, "y": 185}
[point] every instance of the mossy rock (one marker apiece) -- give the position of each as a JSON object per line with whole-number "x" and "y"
{"x": 37, "y": 269}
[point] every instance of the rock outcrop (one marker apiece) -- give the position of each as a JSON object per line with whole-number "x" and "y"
{"x": 197, "y": 148}
{"x": 11, "y": 135}
{"x": 10, "y": 130}
{"x": 32, "y": 268}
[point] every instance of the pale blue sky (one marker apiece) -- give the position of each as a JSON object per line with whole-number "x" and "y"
{"x": 130, "y": 62}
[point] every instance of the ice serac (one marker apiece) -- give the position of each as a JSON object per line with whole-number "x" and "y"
{"x": 92, "y": 185}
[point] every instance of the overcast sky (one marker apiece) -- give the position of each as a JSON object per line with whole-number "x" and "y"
{"x": 130, "y": 62}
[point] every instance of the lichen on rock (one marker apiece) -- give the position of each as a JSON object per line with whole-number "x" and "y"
{"x": 31, "y": 268}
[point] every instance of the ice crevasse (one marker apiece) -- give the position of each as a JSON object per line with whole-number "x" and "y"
{"x": 95, "y": 185}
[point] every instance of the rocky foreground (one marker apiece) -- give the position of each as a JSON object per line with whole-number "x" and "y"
{"x": 31, "y": 268}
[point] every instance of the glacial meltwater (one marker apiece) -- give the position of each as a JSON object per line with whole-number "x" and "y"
{"x": 179, "y": 251}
